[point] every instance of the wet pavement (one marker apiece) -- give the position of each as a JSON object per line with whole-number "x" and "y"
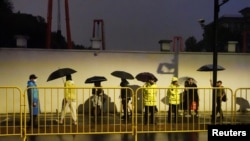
{"x": 146, "y": 136}
{"x": 188, "y": 136}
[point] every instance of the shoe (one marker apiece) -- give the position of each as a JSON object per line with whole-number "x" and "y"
{"x": 60, "y": 122}
{"x": 75, "y": 123}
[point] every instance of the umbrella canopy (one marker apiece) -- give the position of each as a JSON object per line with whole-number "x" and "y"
{"x": 209, "y": 67}
{"x": 122, "y": 75}
{"x": 145, "y": 76}
{"x": 182, "y": 80}
{"x": 60, "y": 73}
{"x": 95, "y": 79}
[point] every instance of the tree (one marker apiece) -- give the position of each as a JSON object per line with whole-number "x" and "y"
{"x": 6, "y": 7}
{"x": 191, "y": 45}
{"x": 6, "y": 11}
{"x": 34, "y": 27}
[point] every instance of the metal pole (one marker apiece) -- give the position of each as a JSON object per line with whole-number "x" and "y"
{"x": 215, "y": 53}
{"x": 215, "y": 57}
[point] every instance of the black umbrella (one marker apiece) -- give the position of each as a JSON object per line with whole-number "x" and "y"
{"x": 182, "y": 79}
{"x": 60, "y": 73}
{"x": 95, "y": 79}
{"x": 145, "y": 76}
{"x": 209, "y": 67}
{"x": 122, "y": 74}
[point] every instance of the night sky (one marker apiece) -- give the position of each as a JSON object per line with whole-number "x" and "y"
{"x": 134, "y": 25}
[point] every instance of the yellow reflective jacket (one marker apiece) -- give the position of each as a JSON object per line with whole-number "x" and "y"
{"x": 149, "y": 94}
{"x": 173, "y": 94}
{"x": 69, "y": 91}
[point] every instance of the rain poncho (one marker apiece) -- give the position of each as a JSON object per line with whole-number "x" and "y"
{"x": 33, "y": 98}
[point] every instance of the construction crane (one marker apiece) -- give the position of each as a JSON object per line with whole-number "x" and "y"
{"x": 49, "y": 22}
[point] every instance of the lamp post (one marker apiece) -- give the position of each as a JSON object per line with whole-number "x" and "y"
{"x": 217, "y": 6}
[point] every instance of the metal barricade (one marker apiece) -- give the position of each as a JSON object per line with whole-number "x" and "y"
{"x": 14, "y": 112}
{"x": 184, "y": 121}
{"x": 108, "y": 120}
{"x": 11, "y": 111}
{"x": 242, "y": 106}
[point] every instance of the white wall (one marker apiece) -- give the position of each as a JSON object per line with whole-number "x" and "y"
{"x": 18, "y": 64}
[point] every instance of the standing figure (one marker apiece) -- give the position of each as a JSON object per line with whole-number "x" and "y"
{"x": 69, "y": 100}
{"x": 97, "y": 99}
{"x": 192, "y": 96}
{"x": 173, "y": 94}
{"x": 219, "y": 93}
{"x": 126, "y": 97}
{"x": 186, "y": 102}
{"x": 149, "y": 100}
{"x": 33, "y": 100}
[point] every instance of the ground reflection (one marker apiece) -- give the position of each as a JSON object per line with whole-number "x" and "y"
{"x": 189, "y": 136}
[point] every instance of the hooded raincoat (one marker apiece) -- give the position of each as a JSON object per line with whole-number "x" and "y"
{"x": 33, "y": 98}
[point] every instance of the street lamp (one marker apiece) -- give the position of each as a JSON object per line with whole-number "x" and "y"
{"x": 217, "y": 6}
{"x": 202, "y": 23}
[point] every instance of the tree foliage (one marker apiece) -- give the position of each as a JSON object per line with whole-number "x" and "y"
{"x": 33, "y": 27}
{"x": 6, "y": 7}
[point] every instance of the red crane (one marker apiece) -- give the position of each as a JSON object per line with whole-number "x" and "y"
{"x": 49, "y": 21}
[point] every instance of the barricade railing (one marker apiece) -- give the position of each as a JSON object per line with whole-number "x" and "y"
{"x": 11, "y": 111}
{"x": 14, "y": 112}
{"x": 241, "y": 105}
{"x": 184, "y": 121}
{"x": 107, "y": 121}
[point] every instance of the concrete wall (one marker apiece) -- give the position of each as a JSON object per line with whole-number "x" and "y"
{"x": 18, "y": 64}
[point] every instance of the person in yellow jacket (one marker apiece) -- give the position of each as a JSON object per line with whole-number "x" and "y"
{"x": 174, "y": 99}
{"x": 69, "y": 100}
{"x": 149, "y": 100}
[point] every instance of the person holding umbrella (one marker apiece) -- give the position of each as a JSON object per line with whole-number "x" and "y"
{"x": 174, "y": 98}
{"x": 126, "y": 97}
{"x": 97, "y": 99}
{"x": 69, "y": 100}
{"x": 33, "y": 100}
{"x": 125, "y": 93}
{"x": 220, "y": 92}
{"x": 149, "y": 99}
